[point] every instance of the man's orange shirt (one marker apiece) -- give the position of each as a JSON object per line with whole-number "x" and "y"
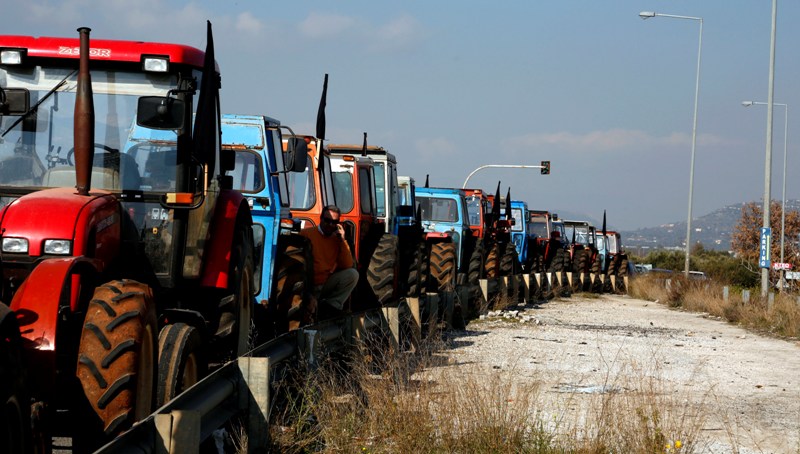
{"x": 331, "y": 254}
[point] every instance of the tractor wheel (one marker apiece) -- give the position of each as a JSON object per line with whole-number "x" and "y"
{"x": 383, "y": 269}
{"x": 475, "y": 263}
{"x": 292, "y": 283}
{"x": 474, "y": 272}
{"x": 241, "y": 284}
{"x": 443, "y": 265}
{"x": 579, "y": 261}
{"x": 424, "y": 267}
{"x": 414, "y": 281}
{"x": 596, "y": 267}
{"x": 15, "y": 419}
{"x": 118, "y": 352}
{"x": 623, "y": 266}
{"x": 509, "y": 261}
{"x": 492, "y": 265}
{"x": 559, "y": 261}
{"x": 181, "y": 363}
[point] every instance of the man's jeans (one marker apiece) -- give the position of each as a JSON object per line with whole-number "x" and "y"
{"x": 337, "y": 288}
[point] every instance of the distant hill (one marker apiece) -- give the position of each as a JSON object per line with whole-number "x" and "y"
{"x": 713, "y": 231}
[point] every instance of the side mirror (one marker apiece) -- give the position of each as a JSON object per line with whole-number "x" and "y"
{"x": 160, "y": 112}
{"x": 296, "y": 157}
{"x": 18, "y": 101}
{"x": 227, "y": 159}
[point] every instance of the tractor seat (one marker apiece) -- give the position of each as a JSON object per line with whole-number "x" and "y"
{"x": 64, "y": 177}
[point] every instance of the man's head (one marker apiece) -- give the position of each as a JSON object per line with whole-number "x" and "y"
{"x": 330, "y": 219}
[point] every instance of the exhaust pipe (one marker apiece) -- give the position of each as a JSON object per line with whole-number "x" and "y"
{"x": 83, "y": 135}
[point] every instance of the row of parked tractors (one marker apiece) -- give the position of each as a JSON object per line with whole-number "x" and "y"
{"x": 146, "y": 237}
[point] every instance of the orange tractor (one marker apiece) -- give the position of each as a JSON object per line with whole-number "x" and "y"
{"x": 119, "y": 295}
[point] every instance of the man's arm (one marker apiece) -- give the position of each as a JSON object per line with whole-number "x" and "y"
{"x": 345, "y": 259}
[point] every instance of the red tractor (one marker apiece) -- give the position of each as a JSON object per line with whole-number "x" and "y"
{"x": 120, "y": 297}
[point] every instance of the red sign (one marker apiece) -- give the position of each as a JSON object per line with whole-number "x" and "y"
{"x": 781, "y": 266}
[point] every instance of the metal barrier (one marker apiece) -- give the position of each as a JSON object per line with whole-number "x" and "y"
{"x": 243, "y": 387}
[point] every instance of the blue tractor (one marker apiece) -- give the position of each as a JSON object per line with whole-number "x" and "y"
{"x": 264, "y": 173}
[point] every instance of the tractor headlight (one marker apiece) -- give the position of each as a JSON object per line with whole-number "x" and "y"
{"x": 57, "y": 247}
{"x": 10, "y": 56}
{"x": 155, "y": 64}
{"x": 15, "y": 245}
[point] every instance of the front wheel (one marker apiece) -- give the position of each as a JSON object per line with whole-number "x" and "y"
{"x": 117, "y": 355}
{"x": 180, "y": 360}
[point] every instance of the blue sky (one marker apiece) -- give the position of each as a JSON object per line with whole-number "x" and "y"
{"x": 449, "y": 86}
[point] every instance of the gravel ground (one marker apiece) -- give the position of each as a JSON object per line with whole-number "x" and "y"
{"x": 743, "y": 385}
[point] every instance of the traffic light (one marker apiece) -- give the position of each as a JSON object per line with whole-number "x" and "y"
{"x": 545, "y": 167}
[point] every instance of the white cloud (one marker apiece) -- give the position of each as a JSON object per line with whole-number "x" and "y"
{"x": 399, "y": 33}
{"x": 248, "y": 23}
{"x": 318, "y": 25}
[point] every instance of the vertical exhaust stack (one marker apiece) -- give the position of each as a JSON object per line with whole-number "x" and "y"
{"x": 84, "y": 119}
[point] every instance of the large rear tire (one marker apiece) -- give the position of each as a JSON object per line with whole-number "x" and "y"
{"x": 474, "y": 272}
{"x": 292, "y": 282}
{"x": 117, "y": 355}
{"x": 492, "y": 264}
{"x": 181, "y": 362}
{"x": 414, "y": 280}
{"x": 509, "y": 260}
{"x": 443, "y": 265}
{"x": 383, "y": 270}
{"x": 242, "y": 286}
{"x": 15, "y": 419}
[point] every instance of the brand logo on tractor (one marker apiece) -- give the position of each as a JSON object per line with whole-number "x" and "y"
{"x": 77, "y": 51}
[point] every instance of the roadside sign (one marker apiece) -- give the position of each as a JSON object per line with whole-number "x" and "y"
{"x": 793, "y": 275}
{"x": 763, "y": 256}
{"x": 781, "y": 266}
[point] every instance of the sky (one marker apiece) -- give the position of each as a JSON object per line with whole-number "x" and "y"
{"x": 606, "y": 97}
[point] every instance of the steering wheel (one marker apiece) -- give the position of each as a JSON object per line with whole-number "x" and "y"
{"x": 71, "y": 152}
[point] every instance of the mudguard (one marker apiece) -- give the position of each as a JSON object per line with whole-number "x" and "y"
{"x": 216, "y": 263}
{"x": 52, "y": 285}
{"x": 436, "y": 235}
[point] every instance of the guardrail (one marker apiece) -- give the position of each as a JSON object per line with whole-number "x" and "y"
{"x": 243, "y": 388}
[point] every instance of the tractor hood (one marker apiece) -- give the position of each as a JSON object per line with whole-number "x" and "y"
{"x": 55, "y": 214}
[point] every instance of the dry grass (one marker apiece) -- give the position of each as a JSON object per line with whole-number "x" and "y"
{"x": 399, "y": 403}
{"x": 780, "y": 318}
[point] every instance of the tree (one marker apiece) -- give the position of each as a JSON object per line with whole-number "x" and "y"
{"x": 747, "y": 234}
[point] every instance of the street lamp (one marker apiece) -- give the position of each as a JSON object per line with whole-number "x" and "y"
{"x": 648, "y": 15}
{"x": 783, "y": 195}
{"x": 513, "y": 166}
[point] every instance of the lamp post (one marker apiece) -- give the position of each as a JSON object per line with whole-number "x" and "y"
{"x": 647, "y": 15}
{"x": 513, "y": 166}
{"x": 783, "y": 191}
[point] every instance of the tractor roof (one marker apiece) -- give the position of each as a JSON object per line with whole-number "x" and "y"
{"x": 102, "y": 49}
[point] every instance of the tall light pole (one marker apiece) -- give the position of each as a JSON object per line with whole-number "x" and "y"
{"x": 647, "y": 15}
{"x": 512, "y": 166}
{"x": 783, "y": 191}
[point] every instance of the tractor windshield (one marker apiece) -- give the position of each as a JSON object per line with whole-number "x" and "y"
{"x": 516, "y": 214}
{"x": 438, "y": 209}
{"x": 474, "y": 210}
{"x": 538, "y": 227}
{"x": 380, "y": 187}
{"x": 36, "y": 148}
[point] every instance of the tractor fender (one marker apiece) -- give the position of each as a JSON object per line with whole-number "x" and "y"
{"x": 231, "y": 209}
{"x": 433, "y": 236}
{"x": 52, "y": 288}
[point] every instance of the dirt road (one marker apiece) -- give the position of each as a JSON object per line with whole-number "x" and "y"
{"x": 741, "y": 389}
